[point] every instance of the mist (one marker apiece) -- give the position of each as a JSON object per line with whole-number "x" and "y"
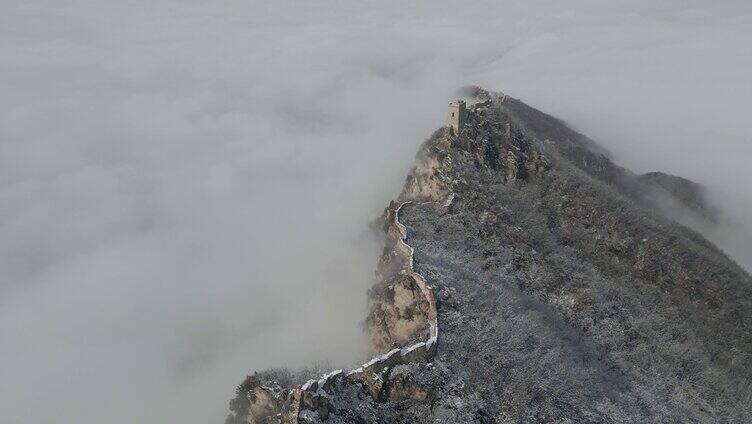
{"x": 186, "y": 188}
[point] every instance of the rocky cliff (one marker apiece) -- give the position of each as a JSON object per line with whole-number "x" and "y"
{"x": 527, "y": 278}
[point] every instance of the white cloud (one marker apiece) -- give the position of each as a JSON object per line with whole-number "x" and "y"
{"x": 185, "y": 187}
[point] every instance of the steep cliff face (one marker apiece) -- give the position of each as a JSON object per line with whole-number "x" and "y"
{"x": 401, "y": 308}
{"x": 526, "y": 278}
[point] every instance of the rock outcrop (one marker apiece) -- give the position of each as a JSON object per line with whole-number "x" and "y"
{"x": 402, "y": 309}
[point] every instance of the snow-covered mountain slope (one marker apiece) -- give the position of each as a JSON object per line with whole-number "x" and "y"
{"x": 560, "y": 292}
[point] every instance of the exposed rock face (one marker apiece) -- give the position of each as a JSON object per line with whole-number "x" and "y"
{"x": 262, "y": 399}
{"x": 402, "y": 308}
{"x": 398, "y": 314}
{"x": 428, "y": 181}
{"x": 558, "y": 292}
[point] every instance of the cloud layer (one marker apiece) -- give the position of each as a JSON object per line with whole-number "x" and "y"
{"x": 185, "y": 187}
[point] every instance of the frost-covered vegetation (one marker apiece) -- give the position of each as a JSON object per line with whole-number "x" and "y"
{"x": 565, "y": 297}
{"x": 564, "y": 294}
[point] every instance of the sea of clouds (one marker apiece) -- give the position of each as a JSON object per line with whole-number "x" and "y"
{"x": 186, "y": 187}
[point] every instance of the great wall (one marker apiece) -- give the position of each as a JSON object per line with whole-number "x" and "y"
{"x": 273, "y": 404}
{"x": 516, "y": 219}
{"x": 402, "y": 322}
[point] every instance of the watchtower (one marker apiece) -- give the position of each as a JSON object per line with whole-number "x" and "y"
{"x": 457, "y": 114}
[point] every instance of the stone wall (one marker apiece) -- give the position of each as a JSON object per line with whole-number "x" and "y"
{"x": 402, "y": 322}
{"x": 311, "y": 402}
{"x": 401, "y": 308}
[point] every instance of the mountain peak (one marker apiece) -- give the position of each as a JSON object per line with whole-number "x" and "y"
{"x": 527, "y": 278}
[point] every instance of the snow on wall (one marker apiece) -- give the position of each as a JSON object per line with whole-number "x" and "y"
{"x": 397, "y": 356}
{"x": 311, "y": 397}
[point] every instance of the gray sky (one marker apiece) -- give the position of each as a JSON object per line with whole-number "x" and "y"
{"x": 185, "y": 186}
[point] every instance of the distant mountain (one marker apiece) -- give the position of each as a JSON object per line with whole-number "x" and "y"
{"x": 526, "y": 278}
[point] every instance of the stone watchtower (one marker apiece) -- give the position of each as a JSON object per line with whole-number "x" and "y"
{"x": 456, "y": 116}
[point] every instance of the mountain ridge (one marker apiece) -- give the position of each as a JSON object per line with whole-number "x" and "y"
{"x": 563, "y": 292}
